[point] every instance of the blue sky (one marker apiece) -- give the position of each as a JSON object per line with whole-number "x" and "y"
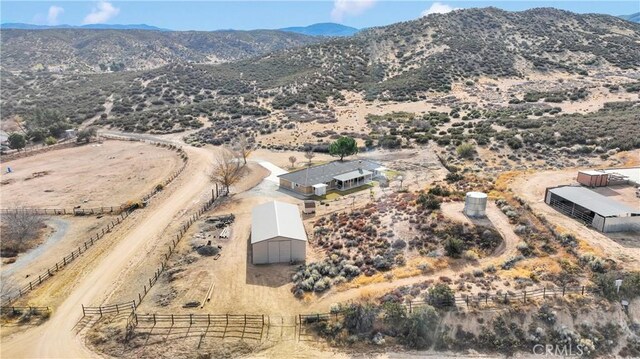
{"x": 265, "y": 14}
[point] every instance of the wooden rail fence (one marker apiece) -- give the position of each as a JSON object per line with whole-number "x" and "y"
{"x": 174, "y": 242}
{"x": 127, "y": 307}
{"x": 64, "y": 211}
{"x": 12, "y": 310}
{"x": 49, "y": 272}
{"x": 163, "y": 265}
{"x": 122, "y": 212}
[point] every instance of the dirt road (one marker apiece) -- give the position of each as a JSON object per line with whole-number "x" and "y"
{"x": 57, "y": 337}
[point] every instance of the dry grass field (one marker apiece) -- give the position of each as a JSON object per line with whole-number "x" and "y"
{"x": 95, "y": 175}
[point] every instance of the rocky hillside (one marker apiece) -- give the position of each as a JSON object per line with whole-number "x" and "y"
{"x": 91, "y": 50}
{"x": 404, "y": 60}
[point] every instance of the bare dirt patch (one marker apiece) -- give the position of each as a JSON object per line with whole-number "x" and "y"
{"x": 94, "y": 175}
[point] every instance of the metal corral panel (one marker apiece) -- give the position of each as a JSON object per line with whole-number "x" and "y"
{"x": 475, "y": 204}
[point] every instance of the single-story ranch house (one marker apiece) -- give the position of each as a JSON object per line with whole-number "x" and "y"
{"x": 339, "y": 175}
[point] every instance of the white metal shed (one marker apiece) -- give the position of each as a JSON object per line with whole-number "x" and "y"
{"x": 277, "y": 234}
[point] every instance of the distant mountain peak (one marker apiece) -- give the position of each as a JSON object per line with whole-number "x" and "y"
{"x": 633, "y": 17}
{"x": 323, "y": 29}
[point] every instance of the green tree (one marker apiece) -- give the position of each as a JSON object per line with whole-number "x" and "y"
{"x": 17, "y": 141}
{"x": 420, "y": 326}
{"x": 441, "y": 296}
{"x": 86, "y": 135}
{"x": 342, "y": 147}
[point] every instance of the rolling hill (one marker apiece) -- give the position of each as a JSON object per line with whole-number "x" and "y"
{"x": 85, "y": 50}
{"x": 407, "y": 61}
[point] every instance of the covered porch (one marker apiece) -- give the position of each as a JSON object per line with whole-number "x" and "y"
{"x": 353, "y": 179}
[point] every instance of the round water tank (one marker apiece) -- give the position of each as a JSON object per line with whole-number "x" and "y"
{"x": 475, "y": 204}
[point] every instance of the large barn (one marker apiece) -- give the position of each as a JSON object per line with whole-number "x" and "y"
{"x": 604, "y": 214}
{"x": 277, "y": 234}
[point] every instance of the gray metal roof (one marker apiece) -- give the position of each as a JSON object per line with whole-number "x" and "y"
{"x": 326, "y": 172}
{"x": 276, "y": 219}
{"x": 353, "y": 174}
{"x": 594, "y": 201}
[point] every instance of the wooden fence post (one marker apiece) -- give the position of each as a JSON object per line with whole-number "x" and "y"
{"x": 83, "y": 313}
{"x": 563, "y": 290}
{"x": 544, "y": 292}
{"x": 582, "y": 290}
{"x": 100, "y": 309}
{"x": 117, "y": 309}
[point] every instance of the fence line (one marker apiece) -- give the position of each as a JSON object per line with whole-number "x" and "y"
{"x": 49, "y": 272}
{"x": 122, "y": 212}
{"x": 19, "y": 310}
{"x": 64, "y": 211}
{"x": 77, "y": 211}
{"x": 163, "y": 265}
{"x": 36, "y": 149}
{"x": 126, "y": 307}
{"x": 174, "y": 242}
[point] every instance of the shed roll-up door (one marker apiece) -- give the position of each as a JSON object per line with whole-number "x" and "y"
{"x": 279, "y": 251}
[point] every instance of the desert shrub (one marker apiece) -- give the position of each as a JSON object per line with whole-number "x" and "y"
{"x": 322, "y": 285}
{"x": 440, "y": 296}
{"x": 452, "y": 177}
{"x": 399, "y": 244}
{"x": 50, "y": 141}
{"x": 394, "y": 316}
{"x": 454, "y": 247}
{"x": 511, "y": 262}
{"x": 546, "y": 314}
{"x": 466, "y": 150}
{"x": 470, "y": 255}
{"x": 419, "y": 327}
{"x": 359, "y": 318}
{"x": 439, "y": 191}
{"x": 382, "y": 263}
{"x": 208, "y": 251}
{"x": 429, "y": 201}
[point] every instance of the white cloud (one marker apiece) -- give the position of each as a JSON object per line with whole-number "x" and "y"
{"x": 52, "y": 15}
{"x": 101, "y": 13}
{"x": 342, "y": 8}
{"x": 438, "y": 8}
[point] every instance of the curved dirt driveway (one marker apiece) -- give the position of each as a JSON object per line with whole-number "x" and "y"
{"x": 57, "y": 338}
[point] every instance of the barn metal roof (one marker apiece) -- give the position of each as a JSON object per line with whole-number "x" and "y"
{"x": 326, "y": 172}
{"x": 276, "y": 219}
{"x": 594, "y": 201}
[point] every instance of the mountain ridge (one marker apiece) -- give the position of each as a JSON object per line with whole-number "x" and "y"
{"x": 26, "y": 26}
{"x": 323, "y": 29}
